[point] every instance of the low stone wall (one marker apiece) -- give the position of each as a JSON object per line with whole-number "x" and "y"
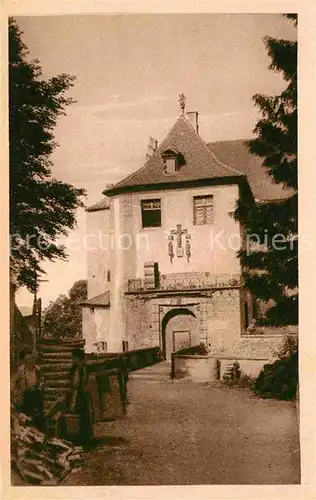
{"x": 196, "y": 368}
{"x": 252, "y": 352}
{"x": 249, "y": 367}
{"x": 207, "y": 369}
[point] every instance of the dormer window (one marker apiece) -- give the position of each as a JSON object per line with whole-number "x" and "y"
{"x": 173, "y": 161}
{"x": 170, "y": 165}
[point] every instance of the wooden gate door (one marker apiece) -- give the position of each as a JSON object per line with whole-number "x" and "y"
{"x": 181, "y": 339}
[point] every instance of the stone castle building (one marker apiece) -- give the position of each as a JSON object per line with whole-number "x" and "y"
{"x": 167, "y": 271}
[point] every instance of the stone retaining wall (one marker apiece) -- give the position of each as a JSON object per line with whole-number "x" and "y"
{"x": 254, "y": 347}
{"x": 251, "y": 351}
{"x": 249, "y": 367}
{"x": 254, "y": 351}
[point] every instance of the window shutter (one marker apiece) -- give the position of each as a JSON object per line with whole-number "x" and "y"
{"x": 199, "y": 215}
{"x": 208, "y": 215}
{"x": 151, "y": 273}
{"x": 203, "y": 209}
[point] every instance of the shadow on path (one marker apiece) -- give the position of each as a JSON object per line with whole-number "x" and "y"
{"x": 184, "y": 433}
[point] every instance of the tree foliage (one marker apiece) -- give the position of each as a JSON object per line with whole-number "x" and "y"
{"x": 271, "y": 266}
{"x": 279, "y": 379}
{"x": 63, "y": 318}
{"x": 41, "y": 207}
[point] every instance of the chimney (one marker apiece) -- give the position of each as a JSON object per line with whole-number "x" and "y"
{"x": 193, "y": 119}
{"x": 152, "y": 147}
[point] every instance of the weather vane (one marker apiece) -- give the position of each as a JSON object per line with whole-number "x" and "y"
{"x": 182, "y": 100}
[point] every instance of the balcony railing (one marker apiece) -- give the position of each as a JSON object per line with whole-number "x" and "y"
{"x": 187, "y": 281}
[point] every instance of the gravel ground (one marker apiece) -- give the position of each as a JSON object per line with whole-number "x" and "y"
{"x": 184, "y": 433}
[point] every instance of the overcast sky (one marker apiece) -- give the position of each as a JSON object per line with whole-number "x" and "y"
{"x": 130, "y": 70}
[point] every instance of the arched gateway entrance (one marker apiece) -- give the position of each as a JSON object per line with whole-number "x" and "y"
{"x": 179, "y": 330}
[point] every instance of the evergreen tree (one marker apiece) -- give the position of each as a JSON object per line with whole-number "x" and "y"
{"x": 41, "y": 207}
{"x": 63, "y": 318}
{"x": 271, "y": 261}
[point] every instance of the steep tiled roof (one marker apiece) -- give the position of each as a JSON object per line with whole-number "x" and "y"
{"x": 236, "y": 153}
{"x": 103, "y": 204}
{"x": 216, "y": 162}
{"x": 200, "y": 162}
{"x": 102, "y": 300}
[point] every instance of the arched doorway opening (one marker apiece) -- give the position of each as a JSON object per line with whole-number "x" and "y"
{"x": 179, "y": 330}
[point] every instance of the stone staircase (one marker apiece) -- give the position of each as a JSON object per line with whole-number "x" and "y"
{"x": 230, "y": 371}
{"x": 55, "y": 361}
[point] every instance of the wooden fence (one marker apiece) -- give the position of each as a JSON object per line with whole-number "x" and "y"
{"x": 55, "y": 359}
{"x": 126, "y": 361}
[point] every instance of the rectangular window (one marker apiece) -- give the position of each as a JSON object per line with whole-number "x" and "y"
{"x": 101, "y": 346}
{"x": 125, "y": 345}
{"x": 151, "y": 213}
{"x": 203, "y": 209}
